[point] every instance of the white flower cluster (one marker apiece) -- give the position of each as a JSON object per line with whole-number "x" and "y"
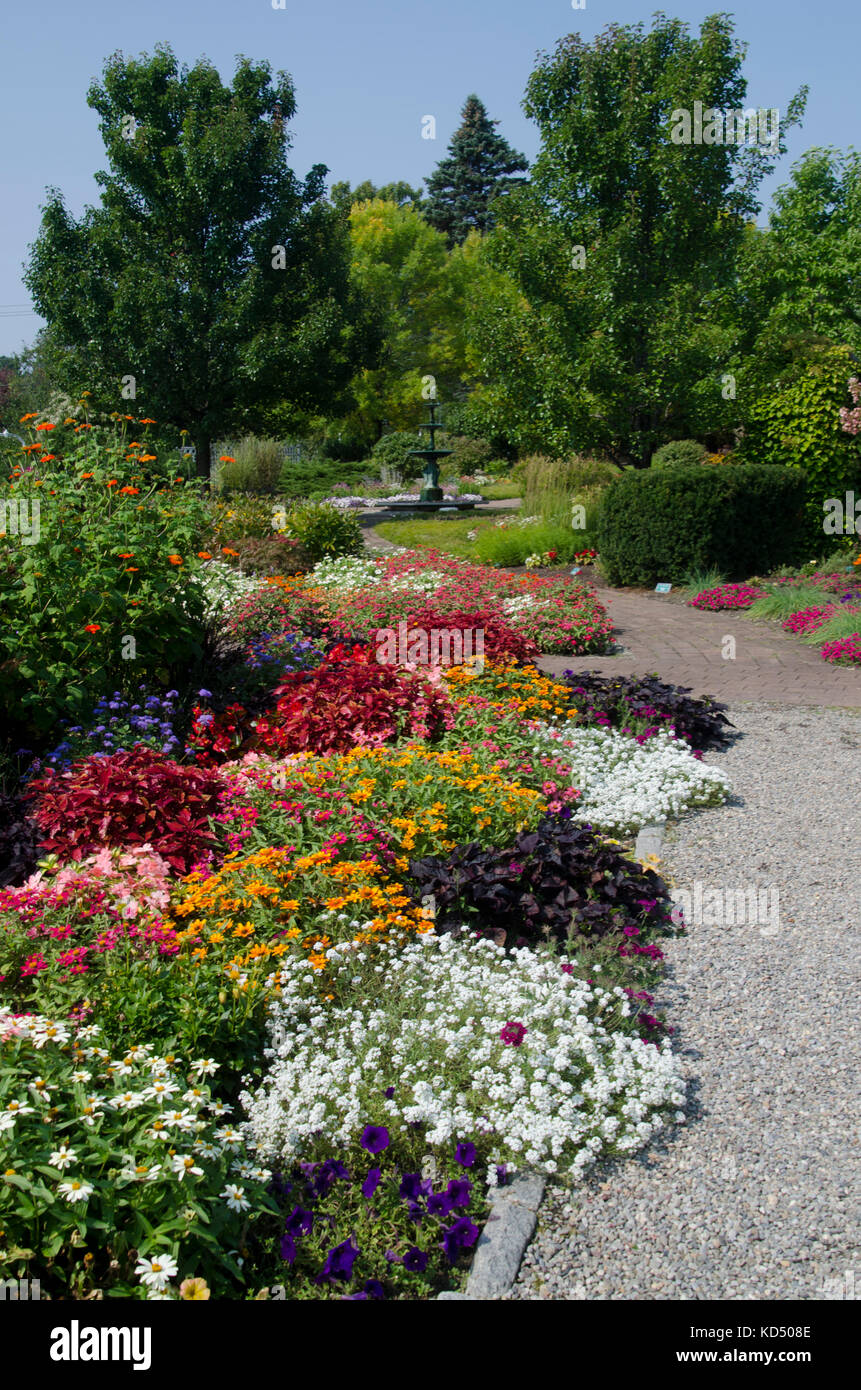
{"x": 625, "y": 784}
{"x": 346, "y": 573}
{"x": 380, "y": 503}
{"x": 222, "y": 586}
{"x": 522, "y": 603}
{"x": 571, "y": 1086}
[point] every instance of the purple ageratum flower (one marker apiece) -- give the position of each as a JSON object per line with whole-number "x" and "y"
{"x": 371, "y": 1183}
{"x": 465, "y": 1155}
{"x": 513, "y": 1034}
{"x": 288, "y": 1248}
{"x": 375, "y": 1138}
{"x": 459, "y": 1237}
{"x": 299, "y": 1222}
{"x": 339, "y": 1262}
{"x": 415, "y": 1260}
{"x": 205, "y": 694}
{"x": 458, "y": 1192}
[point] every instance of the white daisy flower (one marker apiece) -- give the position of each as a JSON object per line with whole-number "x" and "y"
{"x": 156, "y": 1271}
{"x": 63, "y": 1157}
{"x": 184, "y": 1163}
{"x": 75, "y": 1191}
{"x": 235, "y": 1197}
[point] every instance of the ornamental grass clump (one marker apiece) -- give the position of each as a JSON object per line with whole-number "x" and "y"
{"x": 449, "y": 1039}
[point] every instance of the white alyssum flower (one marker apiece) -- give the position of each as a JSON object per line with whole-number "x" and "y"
{"x": 624, "y": 784}
{"x": 435, "y": 1034}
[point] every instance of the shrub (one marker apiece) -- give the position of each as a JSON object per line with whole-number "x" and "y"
{"x": 317, "y": 478}
{"x": 392, "y": 451}
{"x": 554, "y": 882}
{"x": 252, "y": 465}
{"x": 351, "y": 699}
{"x": 684, "y": 452}
{"x": 114, "y": 561}
{"x": 468, "y": 455}
{"x": 131, "y": 798}
{"x": 270, "y": 555}
{"x": 660, "y": 524}
{"x": 324, "y": 531}
{"x": 634, "y": 703}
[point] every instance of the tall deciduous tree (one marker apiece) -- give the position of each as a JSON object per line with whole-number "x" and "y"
{"x": 211, "y": 282}
{"x": 621, "y": 251}
{"x": 465, "y": 187}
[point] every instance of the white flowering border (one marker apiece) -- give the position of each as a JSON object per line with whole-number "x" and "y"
{"x": 625, "y": 784}
{"x": 577, "y": 1086}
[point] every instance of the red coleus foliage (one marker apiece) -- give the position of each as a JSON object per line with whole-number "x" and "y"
{"x": 130, "y": 798}
{"x": 352, "y": 699}
{"x": 500, "y": 641}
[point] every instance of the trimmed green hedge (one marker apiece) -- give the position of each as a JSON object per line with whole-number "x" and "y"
{"x": 744, "y": 520}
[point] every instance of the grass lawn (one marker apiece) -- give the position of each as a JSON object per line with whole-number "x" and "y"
{"x": 446, "y": 533}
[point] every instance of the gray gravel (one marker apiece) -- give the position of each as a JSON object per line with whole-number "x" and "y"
{"x": 755, "y": 1197}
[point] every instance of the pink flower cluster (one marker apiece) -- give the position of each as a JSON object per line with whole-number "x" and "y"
{"x": 808, "y": 619}
{"x": 726, "y": 596}
{"x": 850, "y": 420}
{"x": 845, "y": 649}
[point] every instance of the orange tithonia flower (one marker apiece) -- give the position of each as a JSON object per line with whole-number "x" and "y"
{"x": 132, "y": 491}
{"x": 132, "y": 569}
{"x": 125, "y": 555}
{"x": 225, "y": 458}
{"x": 112, "y": 482}
{"x": 225, "y": 550}
{"x": 87, "y": 475}
{"x": 147, "y": 458}
{"x": 204, "y": 555}
{"x": 31, "y": 416}
{"x": 46, "y": 426}
{"x": 93, "y": 627}
{"x": 47, "y": 458}
{"x": 175, "y": 559}
{"x": 146, "y": 422}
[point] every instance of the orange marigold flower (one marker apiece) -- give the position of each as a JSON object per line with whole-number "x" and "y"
{"x": 204, "y": 555}
{"x": 175, "y": 559}
{"x": 93, "y": 627}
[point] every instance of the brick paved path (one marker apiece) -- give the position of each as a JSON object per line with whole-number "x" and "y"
{"x": 684, "y": 646}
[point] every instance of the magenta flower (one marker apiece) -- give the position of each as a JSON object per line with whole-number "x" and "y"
{"x": 513, "y": 1034}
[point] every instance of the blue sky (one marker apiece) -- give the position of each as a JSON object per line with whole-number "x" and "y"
{"x": 366, "y": 72}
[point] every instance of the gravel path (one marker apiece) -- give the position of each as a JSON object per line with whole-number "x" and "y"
{"x": 756, "y": 1196}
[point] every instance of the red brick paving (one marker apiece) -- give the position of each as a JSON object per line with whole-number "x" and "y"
{"x": 683, "y": 645}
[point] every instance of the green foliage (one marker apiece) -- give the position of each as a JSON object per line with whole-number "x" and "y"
{"x": 679, "y": 451}
{"x": 781, "y": 602}
{"x": 797, "y": 422}
{"x": 512, "y": 547}
{"x": 324, "y": 531}
{"x": 479, "y": 169}
{"x": 256, "y": 466}
{"x": 393, "y": 450}
{"x": 550, "y": 486}
{"x": 468, "y": 455}
{"x": 176, "y": 280}
{"x": 316, "y": 479}
{"x": 102, "y": 560}
{"x": 660, "y": 525}
{"x": 609, "y": 324}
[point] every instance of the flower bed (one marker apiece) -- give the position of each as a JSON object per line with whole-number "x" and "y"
{"x": 377, "y": 904}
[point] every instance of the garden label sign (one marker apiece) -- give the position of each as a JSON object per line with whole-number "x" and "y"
{"x": 663, "y": 588}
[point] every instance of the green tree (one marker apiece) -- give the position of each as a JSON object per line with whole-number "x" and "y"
{"x": 616, "y": 329}
{"x": 402, "y": 193}
{"x": 481, "y": 166}
{"x": 211, "y": 281}
{"x": 402, "y": 269}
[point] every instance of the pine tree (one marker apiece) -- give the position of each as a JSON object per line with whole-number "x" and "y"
{"x": 479, "y": 168}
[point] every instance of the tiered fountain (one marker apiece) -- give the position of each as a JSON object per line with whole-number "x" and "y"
{"x": 431, "y": 498}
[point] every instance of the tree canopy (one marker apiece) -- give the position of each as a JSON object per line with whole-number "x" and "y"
{"x": 465, "y": 188}
{"x": 211, "y": 282}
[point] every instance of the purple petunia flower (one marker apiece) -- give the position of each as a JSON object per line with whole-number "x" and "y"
{"x": 439, "y": 1204}
{"x": 389, "y": 1092}
{"x": 371, "y": 1183}
{"x": 288, "y": 1248}
{"x": 339, "y": 1262}
{"x": 465, "y": 1155}
{"x": 375, "y": 1138}
{"x": 205, "y": 694}
{"x": 415, "y": 1260}
{"x": 374, "y": 1288}
{"x": 458, "y": 1192}
{"x": 410, "y": 1186}
{"x": 299, "y": 1222}
{"x": 459, "y": 1237}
